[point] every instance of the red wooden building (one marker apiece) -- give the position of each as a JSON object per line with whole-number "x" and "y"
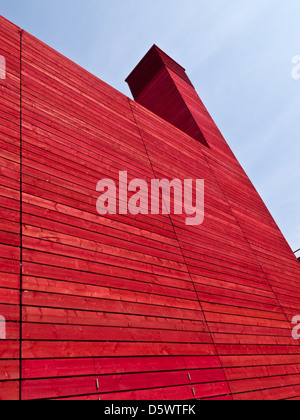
{"x": 121, "y": 306}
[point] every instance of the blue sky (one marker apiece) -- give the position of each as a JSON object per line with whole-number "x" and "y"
{"x": 238, "y": 55}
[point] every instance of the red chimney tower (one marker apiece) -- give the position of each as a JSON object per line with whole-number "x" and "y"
{"x": 162, "y": 85}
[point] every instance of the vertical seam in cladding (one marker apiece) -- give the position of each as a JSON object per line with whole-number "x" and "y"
{"x": 21, "y": 226}
{"x": 182, "y": 253}
{"x": 246, "y": 238}
{"x": 251, "y": 249}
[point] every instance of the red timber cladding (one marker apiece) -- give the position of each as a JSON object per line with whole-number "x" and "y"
{"x": 244, "y": 272}
{"x": 9, "y": 210}
{"x": 153, "y": 87}
{"x": 107, "y": 300}
{"x": 133, "y": 307}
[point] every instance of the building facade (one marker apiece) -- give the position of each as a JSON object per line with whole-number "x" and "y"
{"x": 124, "y": 306}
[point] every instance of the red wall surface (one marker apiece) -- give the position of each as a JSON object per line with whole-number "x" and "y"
{"x": 144, "y": 306}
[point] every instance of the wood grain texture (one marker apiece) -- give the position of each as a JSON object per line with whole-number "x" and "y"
{"x": 245, "y": 330}
{"x": 146, "y": 305}
{"x": 10, "y": 210}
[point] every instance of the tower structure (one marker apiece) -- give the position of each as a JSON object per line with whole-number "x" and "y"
{"x": 123, "y": 306}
